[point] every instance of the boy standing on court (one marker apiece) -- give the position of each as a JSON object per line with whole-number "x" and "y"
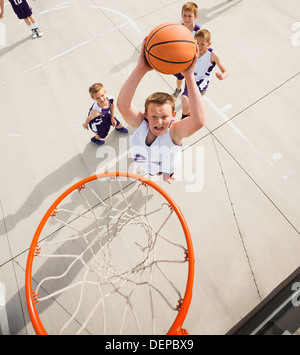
{"x": 101, "y": 115}
{"x": 189, "y": 14}
{"x": 208, "y": 59}
{"x": 24, "y": 12}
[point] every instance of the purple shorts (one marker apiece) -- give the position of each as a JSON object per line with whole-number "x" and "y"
{"x": 21, "y": 8}
{"x": 202, "y": 87}
{"x": 179, "y": 76}
{"x": 101, "y": 125}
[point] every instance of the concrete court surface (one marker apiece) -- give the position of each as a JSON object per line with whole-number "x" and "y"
{"x": 243, "y": 205}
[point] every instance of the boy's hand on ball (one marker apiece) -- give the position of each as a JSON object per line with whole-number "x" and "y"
{"x": 191, "y": 69}
{"x": 142, "y": 63}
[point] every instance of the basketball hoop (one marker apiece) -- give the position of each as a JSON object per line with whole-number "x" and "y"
{"x": 113, "y": 254}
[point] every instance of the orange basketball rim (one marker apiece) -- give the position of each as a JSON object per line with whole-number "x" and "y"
{"x": 183, "y": 304}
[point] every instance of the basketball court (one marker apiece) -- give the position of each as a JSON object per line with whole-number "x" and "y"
{"x": 239, "y": 186}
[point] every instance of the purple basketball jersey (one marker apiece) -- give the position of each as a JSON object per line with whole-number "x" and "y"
{"x": 101, "y": 125}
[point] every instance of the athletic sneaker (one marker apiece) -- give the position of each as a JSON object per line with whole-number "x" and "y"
{"x": 34, "y": 34}
{"x": 98, "y": 141}
{"x": 176, "y": 93}
{"x": 122, "y": 130}
{"x": 38, "y": 32}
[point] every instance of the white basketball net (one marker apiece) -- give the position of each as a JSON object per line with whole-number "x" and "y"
{"x": 115, "y": 250}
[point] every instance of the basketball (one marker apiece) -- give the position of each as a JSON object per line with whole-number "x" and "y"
{"x": 170, "y": 48}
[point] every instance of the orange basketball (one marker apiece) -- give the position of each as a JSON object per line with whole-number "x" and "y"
{"x": 170, "y": 48}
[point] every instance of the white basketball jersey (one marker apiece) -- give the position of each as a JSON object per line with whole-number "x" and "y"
{"x": 204, "y": 66}
{"x": 163, "y": 156}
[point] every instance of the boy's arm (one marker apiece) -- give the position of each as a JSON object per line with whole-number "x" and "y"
{"x": 1, "y": 8}
{"x": 93, "y": 114}
{"x": 224, "y": 72}
{"x": 112, "y": 113}
{"x": 128, "y": 110}
{"x": 196, "y": 120}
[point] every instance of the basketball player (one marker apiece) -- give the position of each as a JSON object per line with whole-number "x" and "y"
{"x": 101, "y": 115}
{"x": 156, "y": 143}
{"x": 189, "y": 13}
{"x": 24, "y": 12}
{"x": 208, "y": 59}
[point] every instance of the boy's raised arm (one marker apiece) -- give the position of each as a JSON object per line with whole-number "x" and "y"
{"x": 1, "y": 8}
{"x": 128, "y": 110}
{"x": 196, "y": 120}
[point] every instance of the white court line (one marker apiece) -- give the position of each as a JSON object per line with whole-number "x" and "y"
{"x": 4, "y": 327}
{"x": 221, "y": 112}
{"x": 49, "y": 60}
{"x": 225, "y": 108}
{"x": 68, "y": 5}
{"x": 130, "y": 21}
{"x": 63, "y": 5}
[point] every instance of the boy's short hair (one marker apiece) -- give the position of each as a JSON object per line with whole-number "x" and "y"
{"x": 95, "y": 88}
{"x": 160, "y": 98}
{"x": 203, "y": 34}
{"x": 190, "y": 6}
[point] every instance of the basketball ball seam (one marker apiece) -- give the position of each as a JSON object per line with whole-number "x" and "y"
{"x": 167, "y": 25}
{"x": 168, "y": 61}
{"x": 148, "y": 47}
{"x": 161, "y": 43}
{"x": 171, "y": 62}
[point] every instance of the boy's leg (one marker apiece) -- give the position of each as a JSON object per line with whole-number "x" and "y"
{"x": 34, "y": 27}
{"x": 179, "y": 80}
{"x": 179, "y": 83}
{"x": 119, "y": 127}
{"x": 185, "y": 105}
{"x": 98, "y": 138}
{"x": 168, "y": 177}
{"x": 185, "y": 102}
{"x": 29, "y": 23}
{"x": 101, "y": 131}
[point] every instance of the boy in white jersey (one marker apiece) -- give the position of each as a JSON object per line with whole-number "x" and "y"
{"x": 156, "y": 134}
{"x": 189, "y": 13}
{"x": 208, "y": 59}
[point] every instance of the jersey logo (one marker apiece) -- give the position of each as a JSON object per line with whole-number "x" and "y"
{"x": 159, "y": 163}
{"x": 139, "y": 158}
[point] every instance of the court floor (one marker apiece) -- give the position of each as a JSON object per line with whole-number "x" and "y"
{"x": 239, "y": 189}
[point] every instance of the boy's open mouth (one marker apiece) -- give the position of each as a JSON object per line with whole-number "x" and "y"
{"x": 158, "y": 129}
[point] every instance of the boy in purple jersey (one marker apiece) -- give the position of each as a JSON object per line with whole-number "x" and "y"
{"x": 24, "y": 12}
{"x": 101, "y": 115}
{"x": 189, "y": 14}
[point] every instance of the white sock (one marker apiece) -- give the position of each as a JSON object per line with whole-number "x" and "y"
{"x": 33, "y": 26}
